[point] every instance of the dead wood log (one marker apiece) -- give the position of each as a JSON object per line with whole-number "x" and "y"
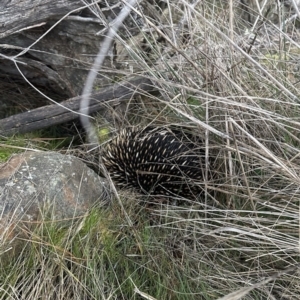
{"x": 55, "y": 42}
{"x": 19, "y": 15}
{"x": 50, "y": 115}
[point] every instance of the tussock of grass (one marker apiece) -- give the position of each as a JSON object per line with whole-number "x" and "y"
{"x": 241, "y": 93}
{"x": 98, "y": 257}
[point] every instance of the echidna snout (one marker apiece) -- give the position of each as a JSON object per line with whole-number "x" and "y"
{"x": 155, "y": 161}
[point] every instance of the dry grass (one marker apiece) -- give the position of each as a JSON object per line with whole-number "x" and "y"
{"x": 241, "y": 92}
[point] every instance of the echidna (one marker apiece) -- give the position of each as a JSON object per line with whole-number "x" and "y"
{"x": 157, "y": 161}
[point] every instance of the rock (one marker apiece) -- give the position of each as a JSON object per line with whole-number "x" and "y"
{"x": 61, "y": 186}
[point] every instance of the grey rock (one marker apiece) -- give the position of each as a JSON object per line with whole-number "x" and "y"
{"x": 60, "y": 186}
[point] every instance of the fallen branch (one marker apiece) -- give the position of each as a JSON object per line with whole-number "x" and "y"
{"x": 68, "y": 110}
{"x": 23, "y": 15}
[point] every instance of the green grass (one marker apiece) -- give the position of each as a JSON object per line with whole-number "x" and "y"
{"x": 42, "y": 140}
{"x": 101, "y": 256}
{"x": 244, "y": 101}
{"x": 9, "y": 146}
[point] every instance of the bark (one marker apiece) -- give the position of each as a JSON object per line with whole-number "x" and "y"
{"x": 53, "y": 52}
{"x": 16, "y": 15}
